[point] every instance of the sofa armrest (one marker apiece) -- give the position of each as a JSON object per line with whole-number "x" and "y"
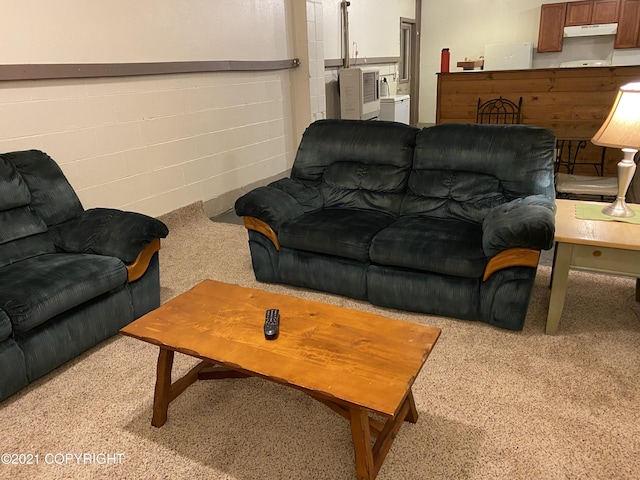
{"x": 111, "y": 232}
{"x": 279, "y": 202}
{"x": 138, "y": 267}
{"x": 522, "y": 223}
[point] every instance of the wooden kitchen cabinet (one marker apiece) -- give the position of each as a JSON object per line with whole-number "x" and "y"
{"x": 579, "y": 13}
{"x": 628, "y": 25}
{"x": 552, "y": 21}
{"x": 590, "y": 12}
{"x": 555, "y": 16}
{"x": 605, "y": 11}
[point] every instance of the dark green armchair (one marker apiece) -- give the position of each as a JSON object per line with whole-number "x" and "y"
{"x": 69, "y": 277}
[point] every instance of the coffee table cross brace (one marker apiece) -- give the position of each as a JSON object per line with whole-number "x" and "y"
{"x": 368, "y": 458}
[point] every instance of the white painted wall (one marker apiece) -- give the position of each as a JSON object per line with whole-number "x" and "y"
{"x": 316, "y": 53}
{"x": 465, "y": 27}
{"x": 374, "y": 31}
{"x": 153, "y": 144}
{"x": 373, "y": 24}
{"x": 97, "y": 31}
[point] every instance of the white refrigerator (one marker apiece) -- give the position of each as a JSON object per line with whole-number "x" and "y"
{"x": 508, "y": 56}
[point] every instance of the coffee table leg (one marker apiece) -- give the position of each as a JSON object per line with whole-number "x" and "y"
{"x": 412, "y": 414}
{"x": 365, "y": 468}
{"x": 559, "y": 285}
{"x": 369, "y": 457}
{"x": 162, "y": 396}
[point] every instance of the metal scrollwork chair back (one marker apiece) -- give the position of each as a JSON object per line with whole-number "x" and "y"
{"x": 499, "y": 110}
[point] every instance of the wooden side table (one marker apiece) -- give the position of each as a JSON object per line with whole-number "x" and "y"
{"x": 593, "y": 245}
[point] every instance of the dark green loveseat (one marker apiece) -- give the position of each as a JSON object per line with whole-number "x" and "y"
{"x": 447, "y": 220}
{"x": 69, "y": 277}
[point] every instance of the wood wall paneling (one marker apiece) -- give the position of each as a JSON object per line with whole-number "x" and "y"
{"x": 572, "y": 102}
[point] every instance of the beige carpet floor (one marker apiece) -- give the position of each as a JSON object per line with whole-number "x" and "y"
{"x": 493, "y": 404}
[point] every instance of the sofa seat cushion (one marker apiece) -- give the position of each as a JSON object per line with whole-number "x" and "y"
{"x": 42, "y": 287}
{"x": 340, "y": 232}
{"x": 449, "y": 247}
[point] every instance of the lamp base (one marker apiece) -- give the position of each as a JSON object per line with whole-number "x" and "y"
{"x": 618, "y": 209}
{"x": 626, "y": 169}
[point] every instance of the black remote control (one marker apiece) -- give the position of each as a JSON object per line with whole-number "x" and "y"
{"x": 271, "y": 323}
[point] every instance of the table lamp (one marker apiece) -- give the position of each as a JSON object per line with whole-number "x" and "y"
{"x": 621, "y": 129}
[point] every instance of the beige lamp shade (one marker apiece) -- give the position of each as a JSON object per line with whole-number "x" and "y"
{"x": 621, "y": 129}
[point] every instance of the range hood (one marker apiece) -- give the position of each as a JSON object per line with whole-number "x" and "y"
{"x": 591, "y": 30}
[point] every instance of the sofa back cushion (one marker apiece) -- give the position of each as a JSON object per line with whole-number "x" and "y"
{"x": 5, "y": 326}
{"x": 464, "y": 170}
{"x": 51, "y": 195}
{"x": 357, "y": 164}
{"x": 34, "y": 194}
{"x": 13, "y": 190}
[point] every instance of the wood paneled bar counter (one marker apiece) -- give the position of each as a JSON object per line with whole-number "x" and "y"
{"x": 572, "y": 102}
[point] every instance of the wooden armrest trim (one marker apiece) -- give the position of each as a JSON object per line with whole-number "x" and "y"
{"x": 137, "y": 268}
{"x": 252, "y": 223}
{"x": 513, "y": 257}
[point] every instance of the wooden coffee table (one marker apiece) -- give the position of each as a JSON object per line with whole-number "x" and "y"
{"x": 354, "y": 362}
{"x": 593, "y": 245}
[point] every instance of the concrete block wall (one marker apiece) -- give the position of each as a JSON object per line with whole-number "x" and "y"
{"x": 155, "y": 143}
{"x": 315, "y": 32}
